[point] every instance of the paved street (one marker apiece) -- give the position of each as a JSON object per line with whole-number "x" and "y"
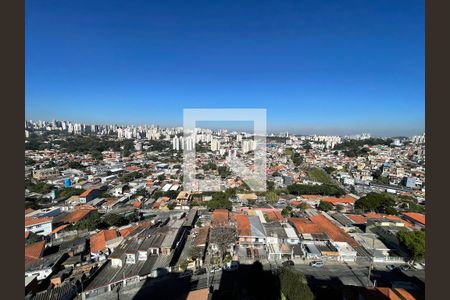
{"x": 164, "y": 287}
{"x": 357, "y": 275}
{"x": 347, "y": 275}
{"x": 331, "y": 274}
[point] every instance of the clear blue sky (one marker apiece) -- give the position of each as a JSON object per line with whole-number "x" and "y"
{"x": 319, "y": 66}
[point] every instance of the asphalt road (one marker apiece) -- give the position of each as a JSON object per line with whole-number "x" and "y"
{"x": 357, "y": 275}
{"x": 343, "y": 274}
{"x": 164, "y": 288}
{"x": 330, "y": 275}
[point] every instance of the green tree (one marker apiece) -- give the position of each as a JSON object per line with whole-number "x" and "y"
{"x": 339, "y": 207}
{"x": 170, "y": 194}
{"x": 414, "y": 242}
{"x": 325, "y": 206}
{"x": 293, "y": 285}
{"x": 286, "y": 212}
{"x": 302, "y": 206}
{"x": 29, "y": 161}
{"x": 68, "y": 192}
{"x": 75, "y": 165}
{"x": 115, "y": 220}
{"x": 41, "y": 187}
{"x": 324, "y": 189}
{"x": 209, "y": 166}
{"x": 184, "y": 264}
{"x": 230, "y": 192}
{"x": 33, "y": 238}
{"x": 378, "y": 202}
{"x": 224, "y": 171}
{"x": 329, "y": 170}
{"x": 271, "y": 196}
{"x": 97, "y": 155}
{"x": 307, "y": 146}
{"x": 297, "y": 159}
{"x": 91, "y": 222}
{"x": 219, "y": 203}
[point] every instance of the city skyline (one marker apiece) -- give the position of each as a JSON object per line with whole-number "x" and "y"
{"x": 326, "y": 68}
{"x": 207, "y": 126}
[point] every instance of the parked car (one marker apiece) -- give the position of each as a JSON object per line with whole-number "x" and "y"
{"x": 288, "y": 263}
{"x": 159, "y": 272}
{"x": 215, "y": 269}
{"x": 317, "y": 264}
{"x": 231, "y": 266}
{"x": 185, "y": 274}
{"x": 200, "y": 271}
{"x": 391, "y": 267}
{"x": 406, "y": 268}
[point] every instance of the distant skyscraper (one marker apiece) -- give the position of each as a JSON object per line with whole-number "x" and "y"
{"x": 176, "y": 143}
{"x": 189, "y": 143}
{"x": 215, "y": 145}
{"x": 248, "y": 145}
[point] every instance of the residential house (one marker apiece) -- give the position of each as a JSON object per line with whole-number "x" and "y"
{"x": 39, "y": 225}
{"x": 417, "y": 219}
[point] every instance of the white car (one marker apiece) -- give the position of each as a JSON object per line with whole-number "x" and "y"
{"x": 231, "y": 266}
{"x": 215, "y": 269}
{"x": 391, "y": 267}
{"x": 317, "y": 264}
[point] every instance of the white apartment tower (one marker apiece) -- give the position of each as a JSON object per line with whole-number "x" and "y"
{"x": 176, "y": 143}
{"x": 215, "y": 145}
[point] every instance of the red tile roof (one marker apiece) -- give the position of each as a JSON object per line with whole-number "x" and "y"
{"x": 84, "y": 206}
{"x": 124, "y": 232}
{"x": 243, "y": 224}
{"x": 86, "y": 193}
{"x": 110, "y": 202}
{"x": 303, "y": 225}
{"x": 29, "y": 221}
{"x": 76, "y": 216}
{"x": 334, "y": 232}
{"x": 357, "y": 219}
{"x": 273, "y": 215}
{"x": 28, "y": 210}
{"x": 201, "y": 294}
{"x": 137, "y": 204}
{"x": 58, "y": 229}
{"x": 129, "y": 230}
{"x": 320, "y": 224}
{"x": 311, "y": 196}
{"x": 202, "y": 236}
{"x": 34, "y": 251}
{"x": 339, "y": 200}
{"x": 220, "y": 217}
{"x": 98, "y": 240}
{"x": 144, "y": 224}
{"x": 417, "y": 217}
{"x": 393, "y": 218}
{"x": 389, "y": 293}
{"x": 404, "y": 294}
{"x": 133, "y": 168}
